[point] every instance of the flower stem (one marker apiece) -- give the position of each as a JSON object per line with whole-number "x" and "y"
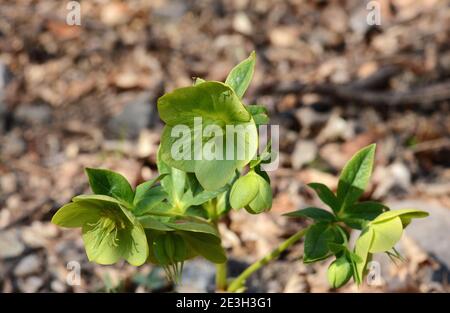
{"x": 221, "y": 276}
{"x": 221, "y": 269}
{"x": 239, "y": 281}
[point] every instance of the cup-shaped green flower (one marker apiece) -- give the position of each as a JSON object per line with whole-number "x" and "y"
{"x": 110, "y": 231}
{"x": 251, "y": 192}
{"x": 382, "y": 234}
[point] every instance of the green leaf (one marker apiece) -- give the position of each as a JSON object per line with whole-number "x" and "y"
{"x": 216, "y": 106}
{"x": 316, "y": 242}
{"x": 319, "y": 215}
{"x": 143, "y": 188}
{"x": 189, "y": 225}
{"x": 326, "y": 195}
{"x": 265, "y": 157}
{"x": 149, "y": 222}
{"x": 205, "y": 245}
{"x": 206, "y": 195}
{"x": 355, "y": 177}
{"x": 148, "y": 200}
{"x": 241, "y": 75}
{"x": 198, "y": 80}
{"x": 76, "y": 214}
{"x": 362, "y": 248}
{"x": 109, "y": 183}
{"x": 259, "y": 114}
{"x": 358, "y": 215}
{"x": 386, "y": 234}
{"x": 339, "y": 272}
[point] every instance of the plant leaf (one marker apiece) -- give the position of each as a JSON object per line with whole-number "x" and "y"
{"x": 355, "y": 177}
{"x": 109, "y": 183}
{"x": 143, "y": 188}
{"x": 149, "y": 222}
{"x": 317, "y": 214}
{"x": 259, "y": 114}
{"x": 326, "y": 195}
{"x": 189, "y": 225}
{"x": 148, "y": 200}
{"x": 358, "y": 215}
{"x": 241, "y": 75}
{"x": 316, "y": 242}
{"x": 206, "y": 246}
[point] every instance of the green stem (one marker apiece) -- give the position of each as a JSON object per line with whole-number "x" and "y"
{"x": 221, "y": 277}
{"x": 239, "y": 281}
{"x": 221, "y": 269}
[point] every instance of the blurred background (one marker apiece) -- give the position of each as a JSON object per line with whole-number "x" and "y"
{"x": 73, "y": 96}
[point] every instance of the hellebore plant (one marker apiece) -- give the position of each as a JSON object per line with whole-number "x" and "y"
{"x": 204, "y": 172}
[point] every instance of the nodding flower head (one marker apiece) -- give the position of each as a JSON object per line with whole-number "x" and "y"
{"x": 110, "y": 231}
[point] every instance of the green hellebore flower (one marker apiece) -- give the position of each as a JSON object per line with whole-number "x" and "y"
{"x": 339, "y": 272}
{"x": 110, "y": 231}
{"x": 382, "y": 234}
{"x": 251, "y": 192}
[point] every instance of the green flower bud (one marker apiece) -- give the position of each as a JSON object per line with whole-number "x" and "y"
{"x": 251, "y": 192}
{"x": 339, "y": 272}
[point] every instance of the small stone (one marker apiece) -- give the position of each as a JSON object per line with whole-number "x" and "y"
{"x": 242, "y": 24}
{"x": 38, "y": 234}
{"x": 30, "y": 264}
{"x": 30, "y": 284}
{"x": 33, "y": 114}
{"x": 8, "y": 183}
{"x": 396, "y": 178}
{"x": 284, "y": 36}
{"x": 305, "y": 152}
{"x": 58, "y": 286}
{"x": 10, "y": 244}
{"x": 135, "y": 116}
{"x": 114, "y": 13}
{"x": 13, "y": 145}
{"x": 198, "y": 276}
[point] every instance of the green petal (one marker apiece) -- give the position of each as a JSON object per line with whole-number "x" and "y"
{"x": 362, "y": 251}
{"x": 136, "y": 251}
{"x": 263, "y": 200}
{"x": 405, "y": 215}
{"x": 76, "y": 214}
{"x": 386, "y": 234}
{"x": 104, "y": 253}
{"x": 100, "y": 198}
{"x": 244, "y": 190}
{"x": 214, "y": 174}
